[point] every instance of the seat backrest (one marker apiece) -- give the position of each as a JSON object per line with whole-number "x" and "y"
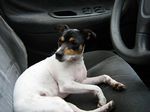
{"x": 13, "y": 61}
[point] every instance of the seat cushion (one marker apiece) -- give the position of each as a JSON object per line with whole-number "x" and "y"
{"x": 13, "y": 61}
{"x": 136, "y": 98}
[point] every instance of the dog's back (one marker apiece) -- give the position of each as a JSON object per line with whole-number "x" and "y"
{"x": 36, "y": 90}
{"x": 35, "y": 83}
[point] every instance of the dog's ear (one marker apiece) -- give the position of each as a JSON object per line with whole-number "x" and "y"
{"x": 88, "y": 34}
{"x": 62, "y": 28}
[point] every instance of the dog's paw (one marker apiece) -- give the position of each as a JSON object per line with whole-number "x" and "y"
{"x": 107, "y": 107}
{"x": 119, "y": 86}
{"x": 110, "y": 106}
{"x": 102, "y": 102}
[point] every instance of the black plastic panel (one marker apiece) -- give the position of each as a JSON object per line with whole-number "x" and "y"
{"x": 146, "y": 7}
{"x": 83, "y": 12}
{"x": 35, "y": 22}
{"x": 40, "y": 16}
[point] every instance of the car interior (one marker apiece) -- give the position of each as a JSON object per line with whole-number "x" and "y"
{"x": 121, "y": 49}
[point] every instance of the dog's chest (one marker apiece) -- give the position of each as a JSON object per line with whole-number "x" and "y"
{"x": 78, "y": 72}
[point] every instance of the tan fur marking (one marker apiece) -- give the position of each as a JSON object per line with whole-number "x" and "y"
{"x": 72, "y": 39}
{"x": 62, "y": 38}
{"x": 81, "y": 47}
{"x": 71, "y": 52}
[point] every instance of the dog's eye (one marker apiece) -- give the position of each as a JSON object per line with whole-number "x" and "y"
{"x": 60, "y": 42}
{"x": 73, "y": 42}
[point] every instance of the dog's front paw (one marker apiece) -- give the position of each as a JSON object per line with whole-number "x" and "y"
{"x": 119, "y": 86}
{"x": 107, "y": 107}
{"x": 102, "y": 101}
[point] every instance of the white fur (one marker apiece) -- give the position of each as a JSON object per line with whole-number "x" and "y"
{"x": 42, "y": 87}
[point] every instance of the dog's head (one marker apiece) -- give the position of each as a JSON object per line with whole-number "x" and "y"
{"x": 71, "y": 44}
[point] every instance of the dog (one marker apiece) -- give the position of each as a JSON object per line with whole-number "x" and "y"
{"x": 44, "y": 85}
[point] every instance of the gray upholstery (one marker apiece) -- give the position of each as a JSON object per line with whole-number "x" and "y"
{"x": 136, "y": 98}
{"x": 13, "y": 60}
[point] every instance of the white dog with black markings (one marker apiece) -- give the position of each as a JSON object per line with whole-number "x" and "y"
{"x": 42, "y": 87}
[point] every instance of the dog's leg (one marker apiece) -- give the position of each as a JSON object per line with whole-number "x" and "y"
{"x": 46, "y": 104}
{"x": 105, "y": 108}
{"x": 78, "y": 88}
{"x": 105, "y": 79}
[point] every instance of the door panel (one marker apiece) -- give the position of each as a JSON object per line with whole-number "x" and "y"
{"x": 35, "y": 22}
{"x": 40, "y": 16}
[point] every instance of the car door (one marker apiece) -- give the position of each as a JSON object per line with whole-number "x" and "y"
{"x": 35, "y": 22}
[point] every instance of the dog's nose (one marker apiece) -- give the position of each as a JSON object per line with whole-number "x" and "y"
{"x": 59, "y": 55}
